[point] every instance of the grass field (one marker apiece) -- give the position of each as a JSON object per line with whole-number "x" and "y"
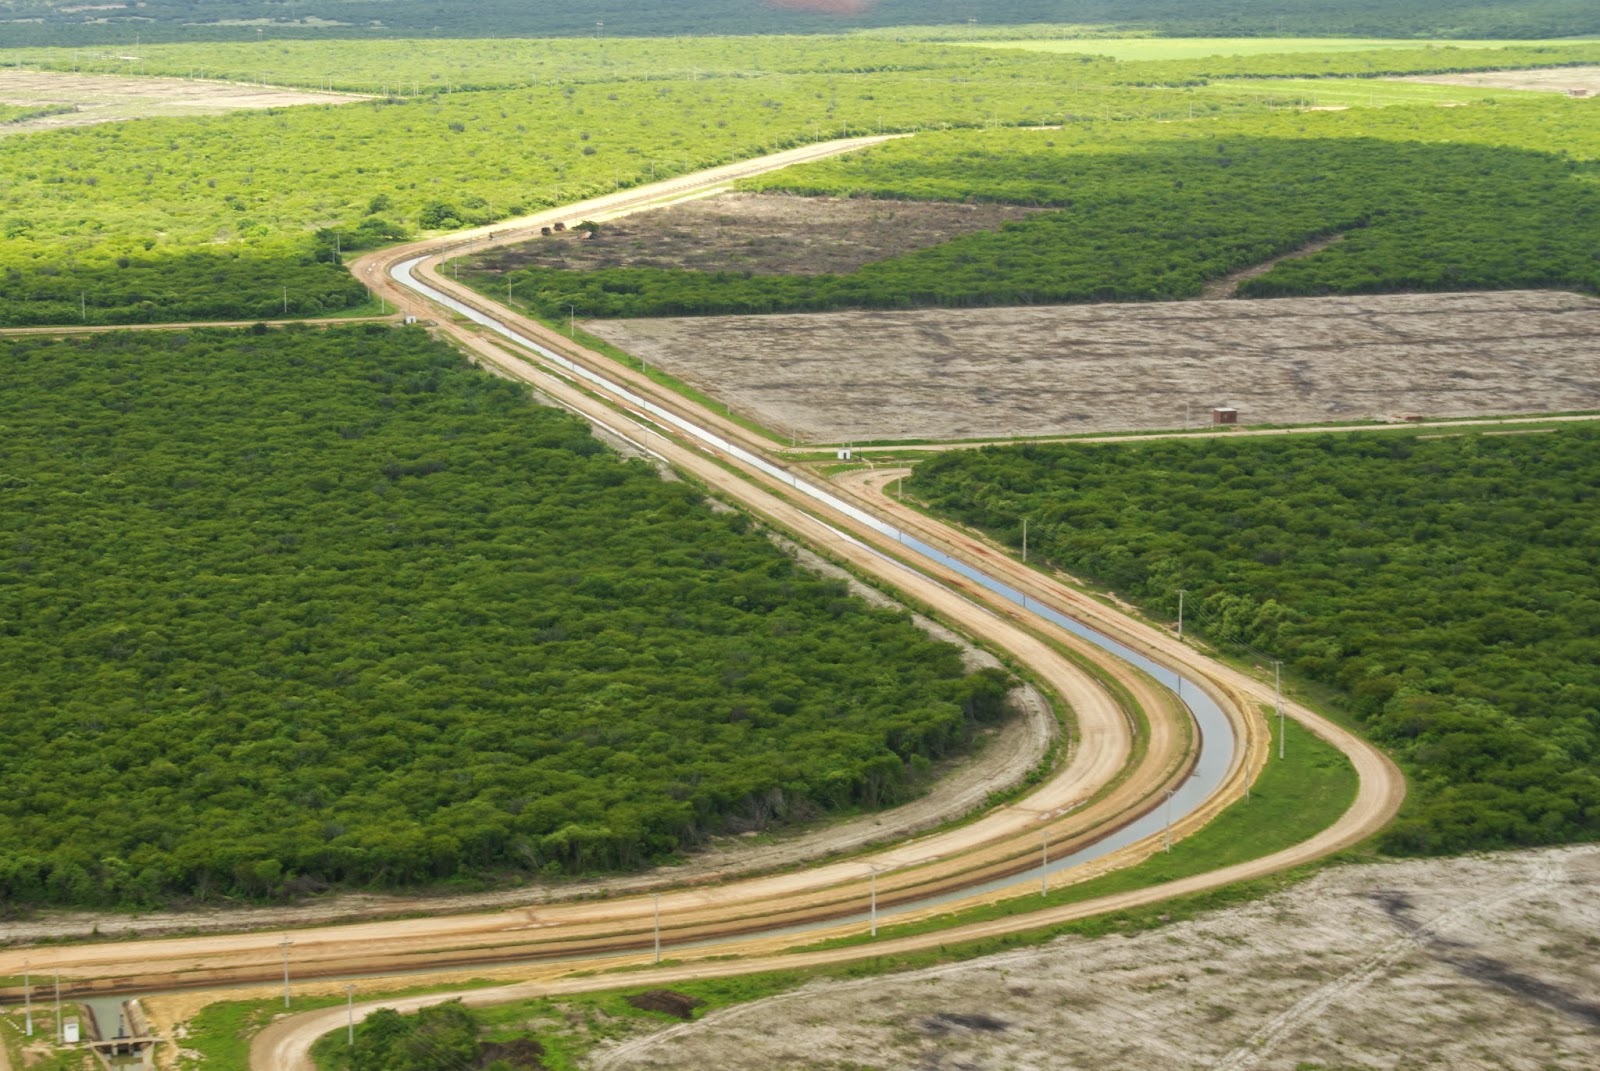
{"x": 1173, "y": 48}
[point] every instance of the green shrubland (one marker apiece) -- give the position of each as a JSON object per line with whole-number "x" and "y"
{"x": 1497, "y": 195}
{"x": 174, "y": 219}
{"x": 458, "y": 65}
{"x": 1441, "y": 586}
{"x": 247, "y": 215}
{"x": 60, "y": 21}
{"x": 288, "y": 609}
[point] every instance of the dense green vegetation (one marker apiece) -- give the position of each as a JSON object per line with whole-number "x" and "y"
{"x": 18, "y": 113}
{"x": 245, "y": 216}
{"x": 282, "y": 609}
{"x": 1425, "y": 199}
{"x": 139, "y": 221}
{"x": 60, "y": 22}
{"x": 411, "y": 68}
{"x": 1443, "y": 586}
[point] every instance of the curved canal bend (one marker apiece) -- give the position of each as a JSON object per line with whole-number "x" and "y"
{"x": 1216, "y": 739}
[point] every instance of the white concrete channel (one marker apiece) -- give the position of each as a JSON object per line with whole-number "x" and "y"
{"x": 1216, "y": 738}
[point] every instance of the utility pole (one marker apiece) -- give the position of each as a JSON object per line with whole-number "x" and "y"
{"x": 1180, "y": 613}
{"x": 1024, "y": 541}
{"x": 27, "y": 1001}
{"x": 83, "y": 305}
{"x": 284, "y": 944}
{"x": 350, "y": 1014}
{"x": 657, "y": 898}
{"x": 286, "y": 301}
{"x": 873, "y": 913}
{"x": 1044, "y": 862}
{"x": 1277, "y": 689}
{"x": 61, "y": 1027}
{"x": 572, "y": 318}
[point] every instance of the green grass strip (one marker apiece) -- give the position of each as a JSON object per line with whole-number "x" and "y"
{"x": 1292, "y": 800}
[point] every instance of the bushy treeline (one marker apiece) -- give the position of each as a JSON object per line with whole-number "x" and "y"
{"x": 138, "y": 288}
{"x": 439, "y": 1036}
{"x": 1151, "y": 211}
{"x": 289, "y": 188}
{"x": 19, "y": 113}
{"x": 412, "y": 68}
{"x": 1444, "y": 586}
{"x": 1434, "y": 58}
{"x": 222, "y": 20}
{"x": 286, "y": 609}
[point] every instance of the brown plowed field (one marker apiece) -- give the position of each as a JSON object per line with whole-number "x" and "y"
{"x": 979, "y": 373}
{"x": 762, "y": 233}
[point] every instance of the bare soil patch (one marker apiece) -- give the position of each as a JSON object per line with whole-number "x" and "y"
{"x": 1228, "y": 285}
{"x": 1549, "y": 79}
{"x": 980, "y": 373}
{"x": 1476, "y": 964}
{"x": 766, "y": 234}
{"x": 101, "y": 98}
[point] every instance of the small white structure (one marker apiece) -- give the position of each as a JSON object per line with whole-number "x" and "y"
{"x": 69, "y": 1031}
{"x": 843, "y": 454}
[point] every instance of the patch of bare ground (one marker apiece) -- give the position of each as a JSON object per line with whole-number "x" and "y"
{"x": 761, "y": 233}
{"x": 102, "y": 98}
{"x": 1578, "y": 81}
{"x": 1053, "y": 370}
{"x": 1228, "y": 285}
{"x": 1476, "y": 964}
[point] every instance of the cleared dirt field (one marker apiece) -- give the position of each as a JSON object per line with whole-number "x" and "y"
{"x": 1480, "y": 963}
{"x": 760, "y": 233}
{"x": 100, "y": 98}
{"x": 1551, "y": 79}
{"x": 979, "y": 373}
